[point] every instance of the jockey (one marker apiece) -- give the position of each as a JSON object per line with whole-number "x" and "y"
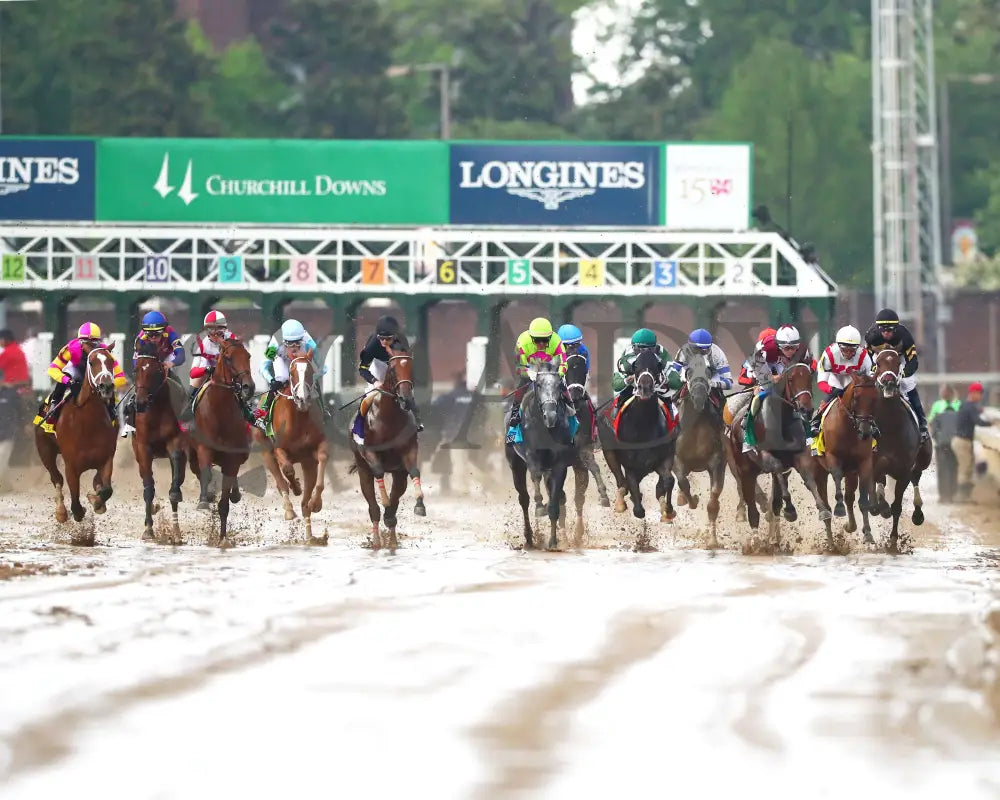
{"x": 746, "y": 376}
{"x": 700, "y": 339}
{"x": 537, "y": 345}
{"x": 167, "y": 343}
{"x": 791, "y": 348}
{"x": 623, "y": 381}
{"x": 66, "y": 369}
{"x": 572, "y": 340}
{"x": 205, "y": 352}
{"x": 766, "y": 358}
{"x": 287, "y": 344}
{"x": 887, "y": 332}
{"x": 836, "y": 365}
{"x": 373, "y": 363}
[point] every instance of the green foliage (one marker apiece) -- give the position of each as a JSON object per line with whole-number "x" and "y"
{"x": 988, "y": 217}
{"x": 333, "y": 56}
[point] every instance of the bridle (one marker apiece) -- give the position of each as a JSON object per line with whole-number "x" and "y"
{"x": 793, "y": 401}
{"x": 301, "y": 379}
{"x": 888, "y": 377}
{"x": 852, "y": 414}
{"x": 225, "y": 357}
{"x": 140, "y": 407}
{"x": 397, "y": 382}
{"x": 581, "y": 386}
{"x": 95, "y": 379}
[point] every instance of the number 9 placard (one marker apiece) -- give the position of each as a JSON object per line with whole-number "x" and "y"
{"x": 302, "y": 269}
{"x": 231, "y": 269}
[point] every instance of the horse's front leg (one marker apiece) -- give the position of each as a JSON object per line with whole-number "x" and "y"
{"x": 850, "y": 493}
{"x": 536, "y": 479}
{"x": 581, "y": 478}
{"x": 145, "y": 460}
{"x": 178, "y": 466}
{"x": 804, "y": 466}
{"x": 866, "y": 481}
{"x": 590, "y": 462}
{"x": 399, "y": 480}
{"x": 322, "y": 456}
{"x": 665, "y": 491}
{"x": 411, "y": 464}
{"x": 837, "y": 472}
{"x": 309, "y": 479}
{"x": 557, "y": 480}
{"x": 287, "y": 470}
{"x": 717, "y": 471}
{"x": 790, "y": 513}
{"x": 102, "y": 486}
{"x": 228, "y": 482}
{"x": 73, "y": 481}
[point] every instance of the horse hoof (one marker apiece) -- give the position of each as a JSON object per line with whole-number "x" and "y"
{"x": 204, "y": 505}
{"x": 621, "y": 508}
{"x": 316, "y": 505}
{"x": 419, "y": 509}
{"x": 667, "y": 516}
{"x": 541, "y": 511}
{"x": 850, "y": 527}
{"x": 148, "y": 535}
{"x": 682, "y": 499}
{"x": 605, "y": 501}
{"x": 639, "y": 512}
{"x": 693, "y": 502}
{"x": 825, "y": 515}
{"x": 918, "y": 516}
{"x": 840, "y": 510}
{"x": 529, "y": 543}
{"x": 155, "y": 509}
{"x": 235, "y": 496}
{"x": 868, "y": 538}
{"x": 317, "y": 541}
{"x": 289, "y": 514}
{"x": 62, "y": 515}
{"x": 224, "y": 543}
{"x": 790, "y": 515}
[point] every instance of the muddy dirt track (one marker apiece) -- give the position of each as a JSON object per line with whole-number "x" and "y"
{"x": 463, "y": 667}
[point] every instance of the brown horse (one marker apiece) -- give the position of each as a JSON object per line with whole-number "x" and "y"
{"x": 221, "y": 435}
{"x": 900, "y": 452}
{"x": 157, "y": 435}
{"x": 847, "y": 433}
{"x": 390, "y": 446}
{"x": 298, "y": 439}
{"x": 86, "y": 437}
{"x": 793, "y": 391}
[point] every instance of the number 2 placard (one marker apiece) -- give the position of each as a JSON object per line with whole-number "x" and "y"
{"x": 303, "y": 269}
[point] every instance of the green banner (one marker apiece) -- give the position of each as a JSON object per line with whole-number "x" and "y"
{"x": 287, "y": 181}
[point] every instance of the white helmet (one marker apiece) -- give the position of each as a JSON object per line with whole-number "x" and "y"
{"x": 292, "y": 331}
{"x": 788, "y": 335}
{"x": 849, "y": 335}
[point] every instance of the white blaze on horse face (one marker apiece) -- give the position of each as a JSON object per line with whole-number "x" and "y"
{"x": 105, "y": 373}
{"x": 299, "y": 388}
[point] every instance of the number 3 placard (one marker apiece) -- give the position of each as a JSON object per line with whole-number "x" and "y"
{"x": 303, "y": 269}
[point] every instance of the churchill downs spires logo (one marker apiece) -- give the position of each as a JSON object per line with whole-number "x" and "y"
{"x": 552, "y": 183}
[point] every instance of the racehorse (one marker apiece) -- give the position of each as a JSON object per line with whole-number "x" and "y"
{"x": 847, "y": 432}
{"x": 701, "y": 444}
{"x": 900, "y": 452}
{"x": 86, "y": 437}
{"x": 792, "y": 391}
{"x": 296, "y": 420}
{"x": 390, "y": 446}
{"x": 576, "y": 383}
{"x": 642, "y": 443}
{"x": 221, "y": 434}
{"x": 157, "y": 435}
{"x": 548, "y": 450}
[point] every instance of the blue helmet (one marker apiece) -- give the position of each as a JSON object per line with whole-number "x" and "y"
{"x": 570, "y": 334}
{"x": 701, "y": 338}
{"x": 154, "y": 321}
{"x": 292, "y": 331}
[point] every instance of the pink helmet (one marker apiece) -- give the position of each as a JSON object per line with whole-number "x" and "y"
{"x": 216, "y": 319}
{"x": 89, "y": 330}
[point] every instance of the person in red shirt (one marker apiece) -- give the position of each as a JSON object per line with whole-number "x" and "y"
{"x": 14, "y": 378}
{"x": 13, "y": 364}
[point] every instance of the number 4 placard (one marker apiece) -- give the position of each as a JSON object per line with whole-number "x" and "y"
{"x": 303, "y": 269}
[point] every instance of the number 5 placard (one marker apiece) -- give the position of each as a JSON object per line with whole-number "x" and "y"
{"x": 302, "y": 269}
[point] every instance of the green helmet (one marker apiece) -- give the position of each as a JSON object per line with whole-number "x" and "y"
{"x": 644, "y": 337}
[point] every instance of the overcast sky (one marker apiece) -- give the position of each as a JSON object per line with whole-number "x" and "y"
{"x": 590, "y": 21}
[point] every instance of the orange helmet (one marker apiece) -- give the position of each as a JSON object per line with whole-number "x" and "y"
{"x": 765, "y": 333}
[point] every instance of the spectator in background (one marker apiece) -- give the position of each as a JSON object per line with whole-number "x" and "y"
{"x": 943, "y": 421}
{"x": 14, "y": 380}
{"x": 969, "y": 418}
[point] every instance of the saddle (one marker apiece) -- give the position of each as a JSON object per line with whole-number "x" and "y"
{"x": 820, "y": 444}
{"x": 668, "y": 414}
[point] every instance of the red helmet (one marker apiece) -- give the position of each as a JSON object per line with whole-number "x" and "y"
{"x": 215, "y": 319}
{"x": 975, "y": 387}
{"x": 769, "y": 347}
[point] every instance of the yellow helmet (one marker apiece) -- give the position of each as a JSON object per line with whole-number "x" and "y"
{"x": 540, "y": 328}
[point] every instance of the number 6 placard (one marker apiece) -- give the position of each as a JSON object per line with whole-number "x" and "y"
{"x": 303, "y": 269}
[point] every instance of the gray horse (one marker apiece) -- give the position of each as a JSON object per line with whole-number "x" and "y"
{"x": 701, "y": 443}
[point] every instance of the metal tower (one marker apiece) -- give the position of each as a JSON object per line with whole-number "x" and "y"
{"x": 905, "y": 166}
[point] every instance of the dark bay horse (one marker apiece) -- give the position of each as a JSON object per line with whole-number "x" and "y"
{"x": 900, "y": 453}
{"x": 586, "y": 442}
{"x": 548, "y": 450}
{"x": 86, "y": 437}
{"x": 390, "y": 446}
{"x": 221, "y": 434}
{"x": 791, "y": 393}
{"x": 847, "y": 432}
{"x": 157, "y": 435}
{"x": 297, "y": 421}
{"x": 701, "y": 444}
{"x": 642, "y": 444}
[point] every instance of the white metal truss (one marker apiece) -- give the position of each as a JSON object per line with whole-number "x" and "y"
{"x": 905, "y": 165}
{"x": 310, "y": 260}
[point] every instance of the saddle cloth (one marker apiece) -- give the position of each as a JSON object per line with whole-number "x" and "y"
{"x": 668, "y": 415}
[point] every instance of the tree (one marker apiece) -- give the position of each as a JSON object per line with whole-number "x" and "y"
{"x": 333, "y": 56}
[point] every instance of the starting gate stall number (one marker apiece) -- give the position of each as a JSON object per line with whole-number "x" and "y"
{"x": 738, "y": 274}
{"x": 13, "y": 267}
{"x": 84, "y": 268}
{"x": 664, "y": 274}
{"x": 518, "y": 272}
{"x": 303, "y": 269}
{"x": 157, "y": 269}
{"x": 373, "y": 271}
{"x": 447, "y": 271}
{"x": 231, "y": 269}
{"x": 591, "y": 272}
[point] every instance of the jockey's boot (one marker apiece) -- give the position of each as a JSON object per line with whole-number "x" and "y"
{"x": 187, "y": 413}
{"x": 913, "y": 397}
{"x": 515, "y": 413}
{"x": 128, "y": 417}
{"x": 45, "y": 413}
{"x": 568, "y": 400}
{"x": 749, "y": 433}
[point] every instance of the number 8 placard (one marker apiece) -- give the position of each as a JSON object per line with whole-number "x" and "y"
{"x": 303, "y": 269}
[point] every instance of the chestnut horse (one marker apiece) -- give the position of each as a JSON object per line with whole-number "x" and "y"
{"x": 848, "y": 430}
{"x": 221, "y": 435}
{"x": 390, "y": 446}
{"x": 900, "y": 452}
{"x": 793, "y": 390}
{"x": 297, "y": 422}
{"x": 85, "y": 436}
{"x": 157, "y": 435}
